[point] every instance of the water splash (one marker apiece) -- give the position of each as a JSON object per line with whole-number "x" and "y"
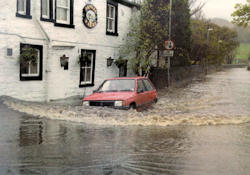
{"x": 220, "y": 100}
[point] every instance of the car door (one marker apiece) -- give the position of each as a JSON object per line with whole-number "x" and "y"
{"x": 141, "y": 97}
{"x": 151, "y": 92}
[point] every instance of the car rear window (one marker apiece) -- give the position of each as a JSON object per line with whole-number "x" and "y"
{"x": 148, "y": 85}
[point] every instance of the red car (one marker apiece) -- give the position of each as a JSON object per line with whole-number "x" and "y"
{"x": 124, "y": 93}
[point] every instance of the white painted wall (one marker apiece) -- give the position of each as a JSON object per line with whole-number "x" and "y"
{"x": 57, "y": 83}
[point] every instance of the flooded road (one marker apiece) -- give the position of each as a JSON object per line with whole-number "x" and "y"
{"x": 222, "y": 98}
{"x": 201, "y": 129}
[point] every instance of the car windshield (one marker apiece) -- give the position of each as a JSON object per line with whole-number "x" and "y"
{"x": 117, "y": 85}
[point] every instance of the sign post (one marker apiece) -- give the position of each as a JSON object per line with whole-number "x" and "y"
{"x": 168, "y": 53}
{"x": 169, "y": 46}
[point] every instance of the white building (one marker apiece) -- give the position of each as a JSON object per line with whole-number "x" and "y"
{"x": 58, "y": 30}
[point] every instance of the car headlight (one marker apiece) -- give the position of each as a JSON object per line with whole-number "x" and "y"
{"x": 85, "y": 103}
{"x": 118, "y": 103}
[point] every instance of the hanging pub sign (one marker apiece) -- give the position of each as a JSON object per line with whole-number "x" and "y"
{"x": 89, "y": 16}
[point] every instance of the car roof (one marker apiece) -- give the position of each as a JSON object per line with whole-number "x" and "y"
{"x": 127, "y": 78}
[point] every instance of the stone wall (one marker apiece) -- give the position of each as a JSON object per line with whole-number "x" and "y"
{"x": 179, "y": 76}
{"x": 234, "y": 65}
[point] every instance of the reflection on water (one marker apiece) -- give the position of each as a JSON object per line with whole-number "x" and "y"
{"x": 31, "y": 132}
{"x": 31, "y": 145}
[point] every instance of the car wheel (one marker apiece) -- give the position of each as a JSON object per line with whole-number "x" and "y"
{"x": 155, "y": 100}
{"x": 132, "y": 106}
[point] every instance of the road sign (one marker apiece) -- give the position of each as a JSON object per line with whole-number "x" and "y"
{"x": 169, "y": 45}
{"x": 168, "y": 53}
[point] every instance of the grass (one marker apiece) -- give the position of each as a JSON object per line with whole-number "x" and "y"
{"x": 243, "y": 51}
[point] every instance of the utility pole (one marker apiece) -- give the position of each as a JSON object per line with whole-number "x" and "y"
{"x": 169, "y": 37}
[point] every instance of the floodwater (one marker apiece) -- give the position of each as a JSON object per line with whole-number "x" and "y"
{"x": 202, "y": 129}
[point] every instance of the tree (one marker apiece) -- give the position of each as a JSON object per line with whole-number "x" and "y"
{"x": 241, "y": 15}
{"x": 217, "y": 49}
{"x": 199, "y": 42}
{"x": 243, "y": 34}
{"x": 196, "y": 8}
{"x": 222, "y": 45}
{"x": 148, "y": 29}
{"x": 181, "y": 32}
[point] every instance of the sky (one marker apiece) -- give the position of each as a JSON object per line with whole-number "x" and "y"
{"x": 220, "y": 8}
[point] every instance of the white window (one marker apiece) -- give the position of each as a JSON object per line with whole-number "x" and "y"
{"x": 21, "y": 7}
{"x": 111, "y": 18}
{"x": 31, "y": 59}
{"x": 63, "y": 11}
{"x": 31, "y": 68}
{"x": 87, "y": 68}
{"x": 45, "y": 8}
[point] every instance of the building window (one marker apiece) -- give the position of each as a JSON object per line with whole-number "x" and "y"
{"x": 87, "y": 68}
{"x": 47, "y": 10}
{"x": 64, "y": 13}
{"x": 112, "y": 17}
{"x": 31, "y": 57}
{"x": 23, "y": 9}
{"x": 9, "y": 52}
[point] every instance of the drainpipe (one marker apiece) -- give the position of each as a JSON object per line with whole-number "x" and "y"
{"x": 48, "y": 46}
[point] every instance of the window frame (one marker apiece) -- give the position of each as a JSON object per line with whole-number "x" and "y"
{"x": 50, "y": 10}
{"x": 70, "y": 13}
{"x": 24, "y": 6}
{"x": 26, "y": 12}
{"x": 92, "y": 78}
{"x": 67, "y": 8}
{"x": 29, "y": 67}
{"x": 109, "y": 11}
{"x": 38, "y": 76}
{"x": 115, "y": 5}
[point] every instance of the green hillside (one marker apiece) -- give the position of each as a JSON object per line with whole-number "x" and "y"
{"x": 243, "y": 51}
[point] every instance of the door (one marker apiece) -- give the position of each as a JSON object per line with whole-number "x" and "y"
{"x": 142, "y": 94}
{"x": 150, "y": 89}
